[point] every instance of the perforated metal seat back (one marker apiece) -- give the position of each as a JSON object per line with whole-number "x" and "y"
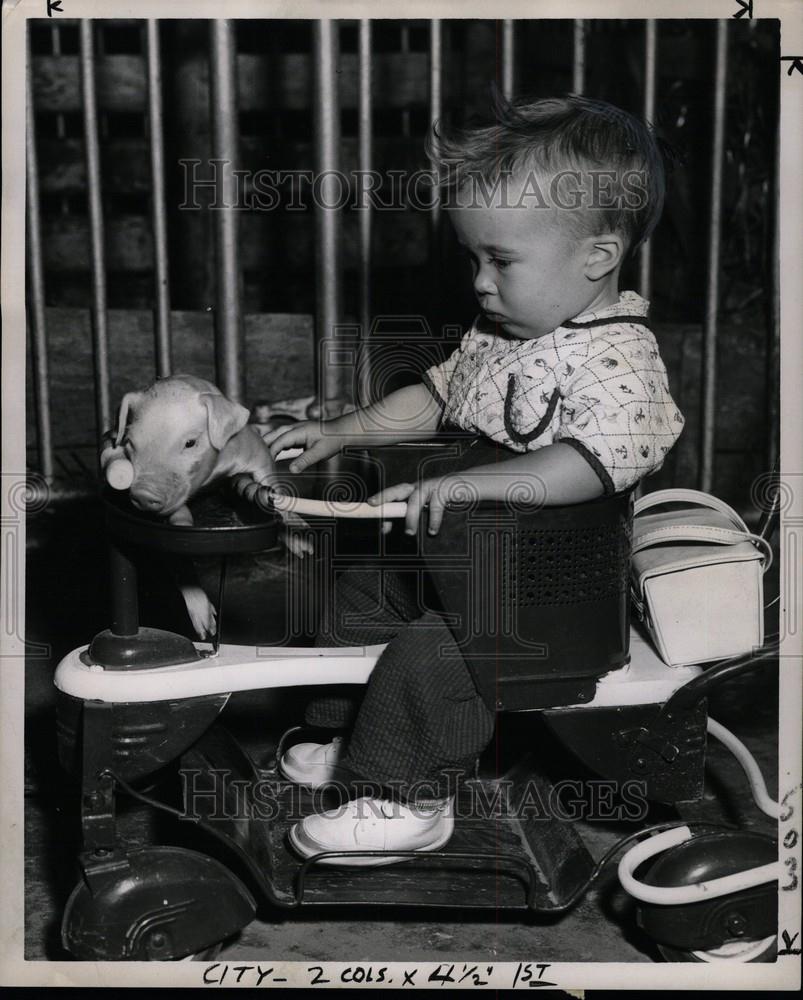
{"x": 536, "y": 598}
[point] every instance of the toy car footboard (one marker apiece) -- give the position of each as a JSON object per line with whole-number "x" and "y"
{"x": 505, "y": 853}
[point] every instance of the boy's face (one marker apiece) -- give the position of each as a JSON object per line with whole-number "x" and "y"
{"x": 528, "y": 265}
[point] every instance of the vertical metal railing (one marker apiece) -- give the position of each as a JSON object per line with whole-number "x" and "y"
{"x": 508, "y": 59}
{"x": 365, "y": 164}
{"x": 709, "y": 353}
{"x": 100, "y": 336}
{"x": 55, "y": 44}
{"x": 435, "y": 112}
{"x": 774, "y": 340}
{"x": 404, "y": 48}
{"x": 579, "y": 57}
{"x": 158, "y": 200}
{"x": 36, "y": 282}
{"x": 61, "y": 125}
{"x": 225, "y": 148}
{"x": 650, "y": 72}
{"x": 229, "y": 332}
{"x": 327, "y": 252}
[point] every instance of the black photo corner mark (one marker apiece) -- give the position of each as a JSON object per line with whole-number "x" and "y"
{"x": 795, "y": 63}
{"x": 788, "y": 944}
{"x": 54, "y": 5}
{"x": 745, "y": 9}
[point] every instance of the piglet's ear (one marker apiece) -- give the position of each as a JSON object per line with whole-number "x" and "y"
{"x": 128, "y": 403}
{"x": 224, "y": 418}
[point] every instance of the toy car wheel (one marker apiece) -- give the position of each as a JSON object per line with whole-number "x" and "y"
{"x": 765, "y": 950}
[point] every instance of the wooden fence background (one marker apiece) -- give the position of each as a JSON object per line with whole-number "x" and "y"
{"x": 274, "y": 74}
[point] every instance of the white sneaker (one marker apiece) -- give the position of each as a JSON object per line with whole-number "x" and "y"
{"x": 314, "y": 764}
{"x": 368, "y": 824}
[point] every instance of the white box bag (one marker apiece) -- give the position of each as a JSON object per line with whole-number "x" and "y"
{"x": 697, "y": 577}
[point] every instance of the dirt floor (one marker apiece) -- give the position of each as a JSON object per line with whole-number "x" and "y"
{"x": 67, "y": 605}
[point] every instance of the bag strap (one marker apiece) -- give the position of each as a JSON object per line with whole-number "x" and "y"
{"x": 702, "y": 533}
{"x": 696, "y": 497}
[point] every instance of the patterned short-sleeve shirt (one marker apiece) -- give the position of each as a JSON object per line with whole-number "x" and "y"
{"x": 596, "y": 383}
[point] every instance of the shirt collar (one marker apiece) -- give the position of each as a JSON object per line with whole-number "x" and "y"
{"x": 629, "y": 304}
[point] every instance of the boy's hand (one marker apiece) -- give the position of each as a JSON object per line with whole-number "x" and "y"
{"x": 436, "y": 494}
{"x": 318, "y": 440}
{"x": 296, "y": 535}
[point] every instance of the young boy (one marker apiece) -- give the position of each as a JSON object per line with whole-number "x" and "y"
{"x": 561, "y": 369}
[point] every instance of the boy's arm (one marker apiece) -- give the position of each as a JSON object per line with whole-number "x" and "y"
{"x": 553, "y": 475}
{"x": 409, "y": 414}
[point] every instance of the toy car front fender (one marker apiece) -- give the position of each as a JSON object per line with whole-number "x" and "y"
{"x": 155, "y": 903}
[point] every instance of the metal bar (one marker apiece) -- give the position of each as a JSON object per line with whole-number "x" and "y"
{"x": 404, "y": 48}
{"x": 327, "y": 257}
{"x": 366, "y": 156}
{"x": 55, "y": 39}
{"x": 579, "y": 61}
{"x": 221, "y": 596}
{"x": 508, "y": 59}
{"x": 124, "y": 593}
{"x": 435, "y": 109}
{"x": 61, "y": 127}
{"x": 709, "y": 359}
{"x": 100, "y": 335}
{"x": 650, "y": 72}
{"x": 774, "y": 347}
{"x": 225, "y": 145}
{"x": 158, "y": 200}
{"x": 36, "y": 283}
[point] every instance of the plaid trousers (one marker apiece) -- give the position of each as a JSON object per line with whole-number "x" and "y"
{"x": 419, "y": 722}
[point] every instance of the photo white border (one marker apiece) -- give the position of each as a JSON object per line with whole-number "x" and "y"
{"x": 14, "y": 970}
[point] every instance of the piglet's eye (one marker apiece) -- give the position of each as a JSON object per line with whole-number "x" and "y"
{"x": 191, "y": 443}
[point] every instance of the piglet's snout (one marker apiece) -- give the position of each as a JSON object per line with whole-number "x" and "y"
{"x": 146, "y": 499}
{"x": 155, "y": 495}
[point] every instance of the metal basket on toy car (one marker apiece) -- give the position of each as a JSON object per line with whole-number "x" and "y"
{"x": 536, "y": 598}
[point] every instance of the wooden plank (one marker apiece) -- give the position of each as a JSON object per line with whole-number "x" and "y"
{"x": 264, "y": 237}
{"x": 126, "y": 162}
{"x": 283, "y": 82}
{"x": 121, "y": 83}
{"x": 279, "y": 353}
{"x": 400, "y": 79}
{"x": 129, "y": 244}
{"x": 391, "y": 152}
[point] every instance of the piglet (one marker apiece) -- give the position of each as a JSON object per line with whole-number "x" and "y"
{"x": 172, "y": 439}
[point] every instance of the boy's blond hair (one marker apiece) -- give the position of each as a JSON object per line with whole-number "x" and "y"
{"x": 618, "y": 157}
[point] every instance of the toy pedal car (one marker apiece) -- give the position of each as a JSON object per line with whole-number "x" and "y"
{"x": 549, "y": 633}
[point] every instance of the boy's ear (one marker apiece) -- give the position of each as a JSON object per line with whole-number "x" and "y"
{"x": 605, "y": 253}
